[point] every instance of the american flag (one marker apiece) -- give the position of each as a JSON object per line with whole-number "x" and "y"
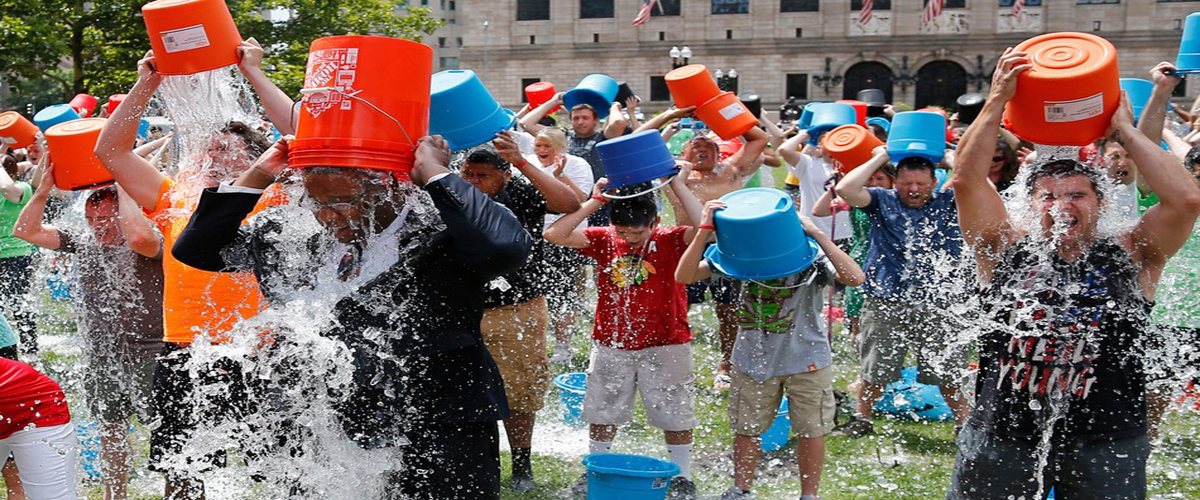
{"x": 644, "y": 14}
{"x": 933, "y": 8}
{"x": 864, "y": 15}
{"x": 1018, "y": 8}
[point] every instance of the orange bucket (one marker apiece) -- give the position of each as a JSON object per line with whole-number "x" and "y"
{"x": 71, "y": 147}
{"x": 1069, "y": 95}
{"x": 850, "y": 145}
{"x": 190, "y": 36}
{"x": 691, "y": 85}
{"x": 726, "y": 115}
{"x": 538, "y": 93}
{"x": 361, "y": 108}
{"x": 860, "y": 110}
{"x": 16, "y": 130}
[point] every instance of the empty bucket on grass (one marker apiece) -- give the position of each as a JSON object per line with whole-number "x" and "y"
{"x": 84, "y": 104}
{"x": 613, "y": 476}
{"x": 691, "y": 85}
{"x": 726, "y": 115}
{"x": 50, "y": 116}
{"x": 1069, "y": 95}
{"x": 828, "y": 116}
{"x": 917, "y": 133}
{"x": 571, "y": 388}
{"x": 190, "y": 36}
{"x": 759, "y": 236}
{"x": 1188, "y": 60}
{"x": 908, "y": 398}
{"x": 538, "y": 93}
{"x": 360, "y": 108}
{"x": 16, "y": 131}
{"x": 72, "y": 146}
{"x": 635, "y": 158}
{"x": 851, "y": 145}
{"x": 595, "y": 90}
{"x": 777, "y": 436}
{"x": 1138, "y": 91}
{"x": 463, "y": 111}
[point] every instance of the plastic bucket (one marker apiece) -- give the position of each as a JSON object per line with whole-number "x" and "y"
{"x": 613, "y": 476}
{"x": 850, "y": 145}
{"x": 1069, "y": 95}
{"x": 463, "y": 111}
{"x": 753, "y": 103}
{"x": 874, "y": 98}
{"x": 917, "y": 133}
{"x": 1138, "y": 91}
{"x": 623, "y": 93}
{"x": 113, "y": 101}
{"x": 72, "y": 146}
{"x": 16, "y": 131}
{"x": 190, "y": 36}
{"x": 596, "y": 90}
{"x": 759, "y": 236}
{"x": 1188, "y": 60}
{"x": 726, "y": 115}
{"x": 906, "y": 397}
{"x": 84, "y": 104}
{"x": 828, "y": 116}
{"x": 883, "y": 123}
{"x": 538, "y": 93}
{"x": 635, "y": 158}
{"x": 379, "y": 126}
{"x": 969, "y": 106}
{"x": 87, "y": 435}
{"x": 691, "y": 85}
{"x": 860, "y": 110}
{"x": 806, "y": 115}
{"x": 50, "y": 116}
{"x": 777, "y": 436}
{"x": 571, "y": 388}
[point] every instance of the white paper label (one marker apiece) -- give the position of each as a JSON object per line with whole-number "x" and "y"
{"x": 8, "y": 140}
{"x": 731, "y": 111}
{"x": 192, "y": 37}
{"x": 1073, "y": 111}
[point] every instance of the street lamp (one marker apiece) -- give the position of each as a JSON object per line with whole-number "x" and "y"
{"x": 828, "y": 79}
{"x": 727, "y": 82}
{"x": 679, "y": 58}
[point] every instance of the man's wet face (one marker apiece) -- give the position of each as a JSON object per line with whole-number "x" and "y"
{"x": 229, "y": 157}
{"x": 583, "y": 122}
{"x": 1119, "y": 165}
{"x": 485, "y": 177}
{"x": 1068, "y": 207}
{"x": 341, "y": 202}
{"x": 102, "y": 218}
{"x": 915, "y": 186}
{"x": 702, "y": 154}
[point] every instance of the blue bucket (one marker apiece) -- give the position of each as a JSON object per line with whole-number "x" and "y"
{"x": 635, "y": 158}
{"x": 759, "y": 236}
{"x": 777, "y": 436}
{"x": 828, "y": 116}
{"x": 806, "y": 115}
{"x": 917, "y": 133}
{"x": 882, "y": 122}
{"x": 907, "y": 398}
{"x": 571, "y": 388}
{"x": 462, "y": 110}
{"x": 596, "y": 90}
{"x": 59, "y": 287}
{"x": 54, "y": 115}
{"x": 1138, "y": 91}
{"x": 942, "y": 175}
{"x": 1188, "y": 60}
{"x": 88, "y": 436}
{"x": 613, "y": 476}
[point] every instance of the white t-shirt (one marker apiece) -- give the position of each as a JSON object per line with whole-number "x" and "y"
{"x": 816, "y": 177}
{"x": 576, "y": 169}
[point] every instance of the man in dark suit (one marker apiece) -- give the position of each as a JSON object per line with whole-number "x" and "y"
{"x": 412, "y": 280}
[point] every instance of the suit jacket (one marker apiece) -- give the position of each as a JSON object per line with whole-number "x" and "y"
{"x": 413, "y": 330}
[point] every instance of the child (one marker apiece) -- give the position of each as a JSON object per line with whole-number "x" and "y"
{"x": 780, "y": 349}
{"x": 641, "y": 330}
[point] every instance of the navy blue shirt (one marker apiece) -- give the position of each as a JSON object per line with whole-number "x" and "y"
{"x": 913, "y": 251}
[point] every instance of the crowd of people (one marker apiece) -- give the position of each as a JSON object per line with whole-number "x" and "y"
{"x": 500, "y": 256}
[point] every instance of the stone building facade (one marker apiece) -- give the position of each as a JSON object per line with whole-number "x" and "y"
{"x": 808, "y": 49}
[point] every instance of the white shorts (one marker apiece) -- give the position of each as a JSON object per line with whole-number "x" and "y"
{"x": 662, "y": 375}
{"x": 45, "y": 457}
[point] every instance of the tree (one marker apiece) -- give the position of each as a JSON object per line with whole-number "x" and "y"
{"x": 54, "y": 49}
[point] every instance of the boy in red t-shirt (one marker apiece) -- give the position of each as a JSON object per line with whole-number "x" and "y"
{"x": 35, "y": 428}
{"x": 641, "y": 330}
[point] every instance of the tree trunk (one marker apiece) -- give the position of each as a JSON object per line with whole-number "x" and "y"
{"x": 77, "y": 54}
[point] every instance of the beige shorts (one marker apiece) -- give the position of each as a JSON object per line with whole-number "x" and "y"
{"x": 662, "y": 375}
{"x": 516, "y": 337}
{"x": 753, "y": 405}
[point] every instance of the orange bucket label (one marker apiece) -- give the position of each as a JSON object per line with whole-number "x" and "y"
{"x": 330, "y": 68}
{"x": 189, "y": 38}
{"x": 1076, "y": 110}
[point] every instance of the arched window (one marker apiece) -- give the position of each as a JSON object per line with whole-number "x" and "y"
{"x": 868, "y": 75}
{"x": 939, "y": 83}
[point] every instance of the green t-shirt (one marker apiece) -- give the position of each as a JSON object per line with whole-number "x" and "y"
{"x": 11, "y": 246}
{"x": 1175, "y": 301}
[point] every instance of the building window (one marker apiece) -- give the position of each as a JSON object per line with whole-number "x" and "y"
{"x": 449, "y": 62}
{"x": 1090, "y": 2}
{"x": 424, "y": 3}
{"x": 459, "y": 40}
{"x": 441, "y": 41}
{"x": 1095, "y": 25}
{"x": 799, "y": 5}
{"x": 856, "y": 5}
{"x": 662, "y": 35}
{"x": 595, "y": 38}
{"x": 451, "y": 4}
{"x": 730, "y": 6}
{"x": 532, "y": 39}
{"x": 729, "y": 34}
{"x": 797, "y": 86}
{"x": 533, "y": 10}
{"x": 1180, "y": 90}
{"x": 658, "y": 89}
{"x": 950, "y": 4}
{"x": 1173, "y": 1}
{"x": 595, "y": 9}
{"x": 443, "y": 5}
{"x": 525, "y": 82}
{"x": 1028, "y": 3}
{"x": 799, "y": 32}
{"x": 665, "y": 8}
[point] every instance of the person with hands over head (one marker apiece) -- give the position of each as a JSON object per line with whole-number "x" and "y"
{"x": 281, "y": 110}
{"x": 1063, "y": 298}
{"x": 16, "y": 255}
{"x": 783, "y": 352}
{"x": 642, "y": 340}
{"x": 585, "y": 132}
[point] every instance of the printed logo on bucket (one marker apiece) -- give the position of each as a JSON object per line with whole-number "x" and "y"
{"x": 660, "y": 483}
{"x": 330, "y": 68}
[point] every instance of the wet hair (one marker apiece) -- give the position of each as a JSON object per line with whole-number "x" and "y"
{"x": 101, "y": 195}
{"x": 916, "y": 163}
{"x": 556, "y": 136}
{"x": 1192, "y": 159}
{"x": 255, "y": 142}
{"x": 634, "y": 212}
{"x": 1012, "y": 164}
{"x": 889, "y": 169}
{"x": 488, "y": 156}
{"x": 878, "y": 131}
{"x": 1061, "y": 169}
{"x": 588, "y": 107}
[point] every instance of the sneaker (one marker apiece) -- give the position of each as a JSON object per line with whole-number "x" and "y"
{"x": 856, "y": 427}
{"x": 735, "y": 493}
{"x": 581, "y": 487}
{"x": 562, "y": 353}
{"x": 681, "y": 488}
{"x": 523, "y": 484}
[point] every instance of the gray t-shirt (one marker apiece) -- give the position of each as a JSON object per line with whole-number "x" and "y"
{"x": 780, "y": 328}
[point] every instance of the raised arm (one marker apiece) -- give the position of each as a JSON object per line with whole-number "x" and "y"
{"x": 564, "y": 231}
{"x": 9, "y": 187}
{"x": 29, "y": 226}
{"x": 616, "y": 124}
{"x": 824, "y": 205}
{"x": 631, "y": 106}
{"x": 281, "y": 110}
{"x": 692, "y": 267}
{"x": 666, "y": 117}
{"x": 115, "y": 146}
{"x": 140, "y": 234}
{"x": 530, "y": 121}
{"x": 853, "y": 187}
{"x": 847, "y": 272}
{"x": 789, "y": 150}
{"x": 745, "y": 161}
{"x": 683, "y": 199}
{"x": 560, "y": 198}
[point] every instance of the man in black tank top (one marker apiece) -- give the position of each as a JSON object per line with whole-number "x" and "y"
{"x": 1061, "y": 390}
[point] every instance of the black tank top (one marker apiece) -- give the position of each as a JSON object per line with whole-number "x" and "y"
{"x": 1065, "y": 345}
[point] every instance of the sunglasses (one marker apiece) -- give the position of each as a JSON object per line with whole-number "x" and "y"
{"x": 997, "y": 158}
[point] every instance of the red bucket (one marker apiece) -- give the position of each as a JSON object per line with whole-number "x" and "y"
{"x": 538, "y": 93}
{"x": 84, "y": 104}
{"x": 113, "y": 101}
{"x": 190, "y": 36}
{"x": 860, "y": 110}
{"x": 361, "y": 108}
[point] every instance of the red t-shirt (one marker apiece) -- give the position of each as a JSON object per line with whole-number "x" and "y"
{"x": 28, "y": 397}
{"x": 640, "y": 304}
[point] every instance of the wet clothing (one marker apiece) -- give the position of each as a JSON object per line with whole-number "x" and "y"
{"x": 12, "y": 246}
{"x": 16, "y": 276}
{"x": 1176, "y": 303}
{"x": 662, "y": 375}
{"x": 911, "y": 248}
{"x": 724, "y": 290}
{"x": 815, "y": 176}
{"x": 28, "y": 398}
{"x": 891, "y": 328}
{"x": 585, "y": 147}
{"x": 529, "y": 206}
{"x": 754, "y": 404}
{"x": 860, "y": 223}
{"x": 45, "y": 457}
{"x": 442, "y": 461}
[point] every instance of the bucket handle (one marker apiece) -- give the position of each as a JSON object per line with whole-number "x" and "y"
{"x": 635, "y": 195}
{"x": 354, "y": 95}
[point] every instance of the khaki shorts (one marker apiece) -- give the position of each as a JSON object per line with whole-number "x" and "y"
{"x": 515, "y": 335}
{"x": 753, "y": 405}
{"x": 891, "y": 327}
{"x": 662, "y": 375}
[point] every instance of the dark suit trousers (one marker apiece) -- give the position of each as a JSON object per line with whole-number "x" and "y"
{"x": 449, "y": 461}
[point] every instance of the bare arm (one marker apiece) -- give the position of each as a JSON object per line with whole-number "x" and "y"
{"x": 281, "y": 110}
{"x": 824, "y": 205}
{"x": 745, "y": 161}
{"x": 615, "y": 125}
{"x": 564, "y": 231}
{"x": 139, "y": 232}
{"x": 692, "y": 267}
{"x": 853, "y": 187}
{"x": 631, "y": 106}
{"x": 9, "y": 188}
{"x": 29, "y": 226}
{"x": 560, "y": 198}
{"x": 1179, "y": 148}
{"x": 666, "y": 117}
{"x": 790, "y": 149}
{"x": 848, "y": 272}
{"x": 116, "y": 143}
{"x": 530, "y": 121}
{"x": 683, "y": 199}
